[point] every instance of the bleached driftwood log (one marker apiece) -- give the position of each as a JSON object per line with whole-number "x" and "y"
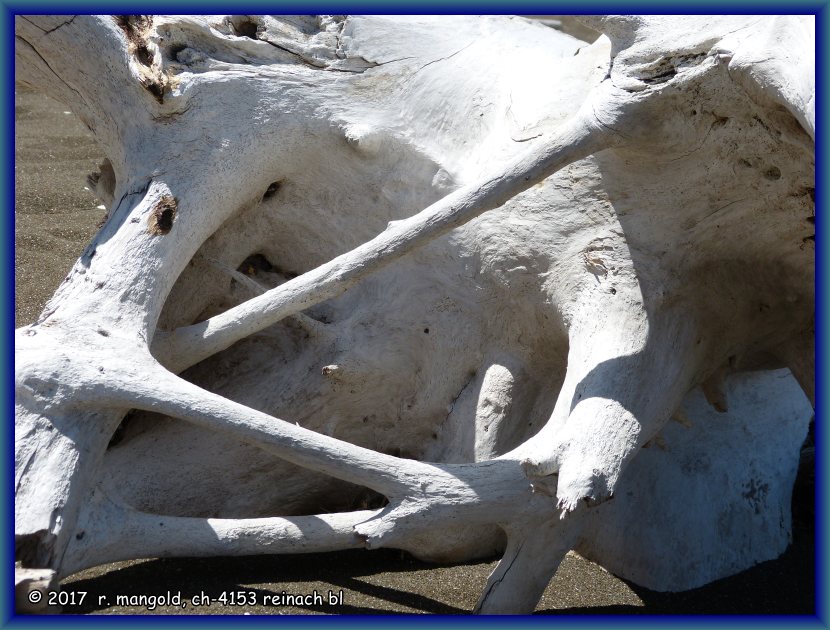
{"x": 476, "y": 242}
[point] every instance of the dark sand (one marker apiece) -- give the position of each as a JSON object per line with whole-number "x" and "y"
{"x": 54, "y": 219}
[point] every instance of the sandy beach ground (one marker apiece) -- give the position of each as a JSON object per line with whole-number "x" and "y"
{"x": 55, "y": 216}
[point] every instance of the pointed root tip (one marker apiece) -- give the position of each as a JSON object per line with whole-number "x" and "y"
{"x": 567, "y": 506}
{"x": 571, "y": 504}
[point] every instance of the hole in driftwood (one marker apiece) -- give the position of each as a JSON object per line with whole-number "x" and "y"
{"x": 173, "y": 51}
{"x": 273, "y": 189}
{"x": 773, "y": 173}
{"x": 244, "y": 26}
{"x": 162, "y": 216}
{"x": 720, "y": 121}
{"x": 143, "y": 55}
{"x": 135, "y": 28}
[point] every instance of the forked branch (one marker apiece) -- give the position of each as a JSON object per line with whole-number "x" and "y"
{"x": 575, "y": 140}
{"x": 423, "y": 498}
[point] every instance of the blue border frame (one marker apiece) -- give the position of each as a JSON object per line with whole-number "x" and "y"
{"x": 6, "y": 340}
{"x": 817, "y": 8}
{"x": 821, "y": 435}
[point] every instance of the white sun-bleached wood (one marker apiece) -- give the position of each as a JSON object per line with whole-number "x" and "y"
{"x": 585, "y": 242}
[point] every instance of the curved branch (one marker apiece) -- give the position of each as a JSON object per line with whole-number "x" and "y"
{"x": 622, "y": 385}
{"x": 111, "y": 532}
{"x": 186, "y": 346}
{"x": 150, "y": 387}
{"x": 67, "y": 56}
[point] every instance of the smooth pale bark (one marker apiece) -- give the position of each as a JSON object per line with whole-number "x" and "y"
{"x": 112, "y": 532}
{"x": 563, "y": 261}
{"x": 576, "y": 140}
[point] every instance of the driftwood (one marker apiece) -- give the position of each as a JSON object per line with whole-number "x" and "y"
{"x": 477, "y": 265}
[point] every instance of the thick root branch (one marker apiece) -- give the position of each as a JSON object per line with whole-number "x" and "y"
{"x": 111, "y": 532}
{"x": 533, "y": 555}
{"x": 189, "y": 345}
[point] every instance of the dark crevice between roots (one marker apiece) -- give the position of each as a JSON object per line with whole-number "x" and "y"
{"x": 368, "y": 499}
{"x": 121, "y": 429}
{"x": 256, "y": 263}
{"x": 35, "y": 551}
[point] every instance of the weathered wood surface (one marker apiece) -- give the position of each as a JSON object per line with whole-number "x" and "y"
{"x": 472, "y": 242}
